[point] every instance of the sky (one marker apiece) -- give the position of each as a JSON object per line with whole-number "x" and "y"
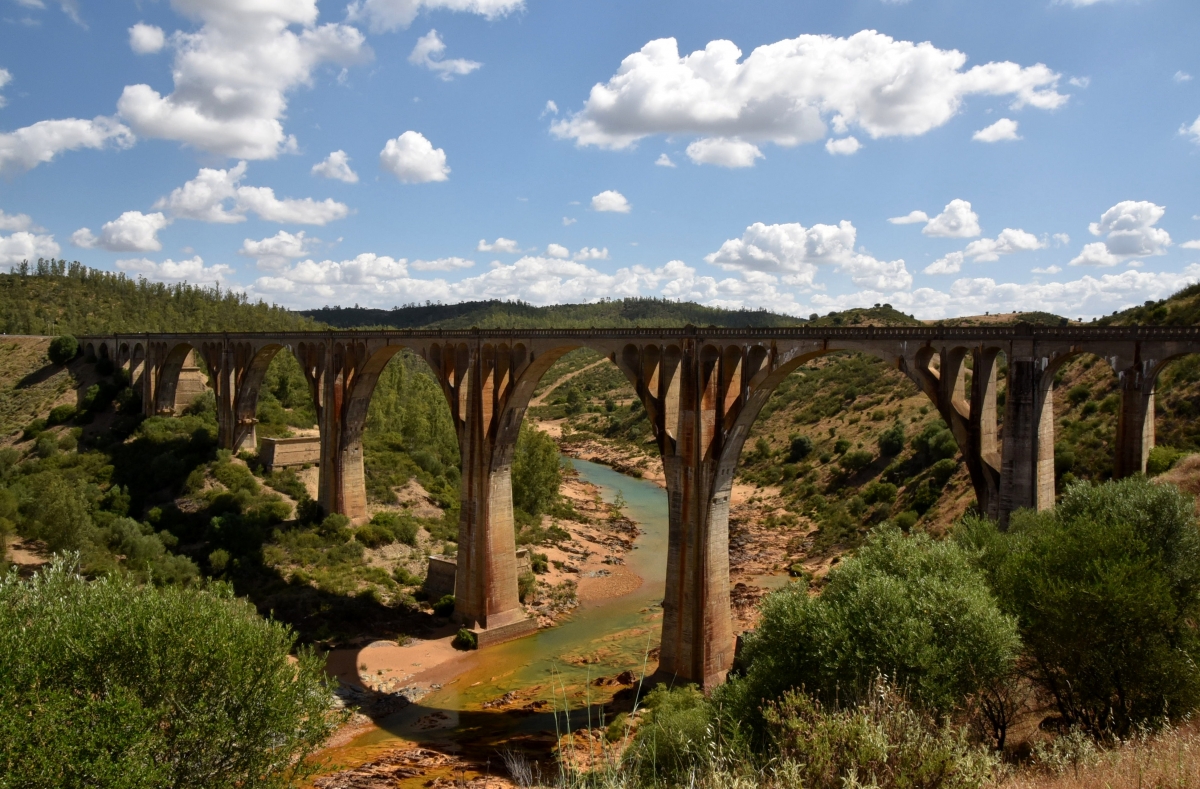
{"x": 948, "y": 157}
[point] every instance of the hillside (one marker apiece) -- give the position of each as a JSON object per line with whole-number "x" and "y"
{"x": 1180, "y": 309}
{"x": 56, "y": 297}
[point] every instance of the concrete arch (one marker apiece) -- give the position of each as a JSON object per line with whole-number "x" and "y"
{"x": 168, "y": 395}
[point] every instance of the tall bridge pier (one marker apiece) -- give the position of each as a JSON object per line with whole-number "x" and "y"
{"x": 702, "y": 390}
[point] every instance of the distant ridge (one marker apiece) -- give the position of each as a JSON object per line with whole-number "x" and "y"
{"x": 621, "y": 313}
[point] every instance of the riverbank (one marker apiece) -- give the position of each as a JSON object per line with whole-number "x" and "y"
{"x": 472, "y": 705}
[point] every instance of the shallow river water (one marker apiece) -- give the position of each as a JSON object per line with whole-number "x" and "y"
{"x": 558, "y": 665}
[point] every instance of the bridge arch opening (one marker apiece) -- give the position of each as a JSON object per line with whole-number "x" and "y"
{"x": 181, "y": 378}
{"x": 1077, "y": 432}
{"x": 1172, "y": 412}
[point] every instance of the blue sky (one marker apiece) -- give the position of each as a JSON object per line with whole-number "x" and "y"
{"x": 945, "y": 156}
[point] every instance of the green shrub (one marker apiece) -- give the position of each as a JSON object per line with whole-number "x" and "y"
{"x": 856, "y": 461}
{"x": 396, "y": 527}
{"x": 1162, "y": 459}
{"x": 924, "y": 497}
{"x": 373, "y": 536}
{"x": 1078, "y": 394}
{"x": 1106, "y": 588}
{"x": 675, "y": 737}
{"x": 335, "y": 527}
{"x": 445, "y": 606}
{"x": 465, "y": 639}
{"x": 404, "y": 577}
{"x": 935, "y": 442}
{"x": 136, "y": 686}
{"x": 891, "y": 441}
{"x": 1064, "y": 458}
{"x": 883, "y": 739}
{"x": 539, "y": 562}
{"x": 942, "y": 471}
{"x": 60, "y": 414}
{"x": 63, "y": 349}
{"x": 536, "y": 471}
{"x": 840, "y": 446}
{"x": 526, "y": 584}
{"x": 218, "y": 560}
{"x": 33, "y": 429}
{"x": 799, "y": 448}
{"x": 879, "y": 493}
{"x": 911, "y": 608}
{"x": 906, "y": 520}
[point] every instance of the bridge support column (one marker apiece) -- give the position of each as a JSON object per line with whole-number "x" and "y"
{"x": 701, "y": 403}
{"x": 1027, "y": 471}
{"x": 1135, "y": 423}
{"x": 488, "y": 407}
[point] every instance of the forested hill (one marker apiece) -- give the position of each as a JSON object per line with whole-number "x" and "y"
{"x": 1180, "y": 309}
{"x": 56, "y": 297}
{"x": 622, "y": 313}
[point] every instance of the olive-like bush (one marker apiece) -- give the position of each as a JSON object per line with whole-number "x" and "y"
{"x": 63, "y": 349}
{"x": 110, "y": 684}
{"x": 911, "y": 608}
{"x": 1106, "y": 590}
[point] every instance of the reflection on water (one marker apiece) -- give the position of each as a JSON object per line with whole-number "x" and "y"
{"x": 600, "y": 639}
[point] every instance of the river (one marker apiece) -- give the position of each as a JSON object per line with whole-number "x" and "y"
{"x": 557, "y": 666}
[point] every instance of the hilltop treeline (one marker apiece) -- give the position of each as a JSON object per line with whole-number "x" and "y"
{"x": 57, "y": 297}
{"x": 620, "y": 313}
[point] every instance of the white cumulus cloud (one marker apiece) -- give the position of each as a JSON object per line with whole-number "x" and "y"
{"x": 428, "y": 53}
{"x": 592, "y": 253}
{"x": 15, "y": 221}
{"x": 218, "y": 196}
{"x": 336, "y": 166}
{"x": 501, "y": 244}
{"x": 386, "y": 15}
{"x": 957, "y": 220}
{"x": 146, "y": 39}
{"x": 5, "y": 78}
{"x": 793, "y": 91}
{"x": 23, "y": 245}
{"x": 303, "y": 211}
{"x": 557, "y": 251}
{"x": 843, "y": 147}
{"x": 986, "y": 250}
{"x": 413, "y": 159}
{"x": 1191, "y": 244}
{"x": 40, "y": 142}
{"x": 796, "y": 252}
{"x": 276, "y": 251}
{"x": 132, "y": 231}
{"x": 664, "y": 161}
{"x": 1002, "y": 130}
{"x": 723, "y": 152}
{"x": 192, "y": 270}
{"x": 1130, "y": 233}
{"x": 911, "y": 218}
{"x": 443, "y": 264}
{"x": 610, "y": 200}
{"x": 233, "y": 75}
{"x": 1182, "y": 76}
{"x": 1192, "y": 131}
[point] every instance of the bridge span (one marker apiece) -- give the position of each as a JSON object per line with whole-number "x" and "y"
{"x": 702, "y": 388}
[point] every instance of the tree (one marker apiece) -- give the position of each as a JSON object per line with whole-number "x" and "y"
{"x": 891, "y": 441}
{"x": 799, "y": 448}
{"x": 110, "y": 684}
{"x": 536, "y": 471}
{"x": 63, "y": 349}
{"x": 910, "y": 608}
{"x": 1106, "y": 589}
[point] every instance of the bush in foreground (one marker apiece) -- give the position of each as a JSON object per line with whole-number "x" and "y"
{"x": 1106, "y": 588}
{"x": 910, "y": 608}
{"x": 883, "y": 742}
{"x": 63, "y": 349}
{"x": 111, "y": 684}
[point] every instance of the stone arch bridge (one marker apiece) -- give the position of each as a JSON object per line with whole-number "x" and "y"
{"x": 702, "y": 388}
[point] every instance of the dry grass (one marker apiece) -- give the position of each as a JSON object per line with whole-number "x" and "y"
{"x": 1170, "y": 759}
